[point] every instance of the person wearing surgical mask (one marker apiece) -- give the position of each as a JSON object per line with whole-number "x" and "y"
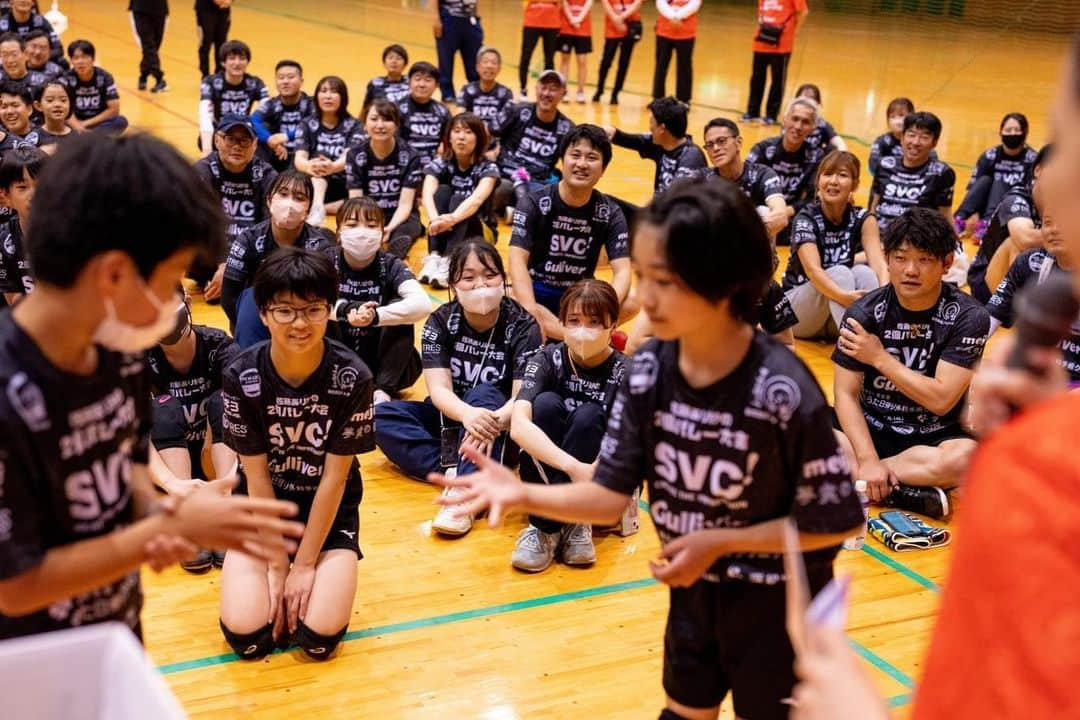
{"x": 457, "y": 188}
{"x": 997, "y": 171}
{"x": 288, "y": 202}
{"x": 474, "y": 351}
{"x": 379, "y": 300}
{"x": 185, "y": 382}
{"x": 560, "y": 415}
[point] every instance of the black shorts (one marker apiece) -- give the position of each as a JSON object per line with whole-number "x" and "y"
{"x": 580, "y": 44}
{"x": 889, "y": 443}
{"x": 731, "y": 636}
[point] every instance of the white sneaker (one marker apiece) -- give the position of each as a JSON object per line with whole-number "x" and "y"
{"x": 509, "y": 214}
{"x": 316, "y": 216}
{"x": 446, "y": 521}
{"x": 441, "y": 279}
{"x": 580, "y": 97}
{"x": 380, "y": 396}
{"x": 427, "y": 268}
{"x": 577, "y": 545}
{"x": 534, "y": 550}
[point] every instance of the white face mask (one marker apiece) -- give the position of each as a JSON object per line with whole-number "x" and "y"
{"x": 360, "y": 243}
{"x": 286, "y": 212}
{"x": 481, "y": 300}
{"x": 896, "y": 124}
{"x": 115, "y": 334}
{"x": 586, "y": 342}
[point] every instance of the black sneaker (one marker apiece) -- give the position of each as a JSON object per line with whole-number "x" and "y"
{"x": 614, "y": 99}
{"x": 160, "y": 86}
{"x": 219, "y": 557}
{"x": 597, "y": 95}
{"x": 933, "y": 502}
{"x": 200, "y": 564}
{"x": 142, "y": 82}
{"x": 769, "y": 121}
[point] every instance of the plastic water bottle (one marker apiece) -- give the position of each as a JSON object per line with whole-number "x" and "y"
{"x": 856, "y": 541}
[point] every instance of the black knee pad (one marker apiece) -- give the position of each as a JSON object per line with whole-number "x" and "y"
{"x": 667, "y": 714}
{"x": 250, "y": 646}
{"x": 316, "y": 646}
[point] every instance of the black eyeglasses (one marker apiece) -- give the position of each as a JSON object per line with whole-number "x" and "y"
{"x": 286, "y": 314}
{"x": 718, "y": 142}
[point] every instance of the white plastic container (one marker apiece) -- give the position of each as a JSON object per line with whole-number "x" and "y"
{"x": 856, "y": 541}
{"x": 98, "y": 672}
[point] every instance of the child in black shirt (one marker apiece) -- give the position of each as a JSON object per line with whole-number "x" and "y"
{"x": 731, "y": 433}
{"x": 394, "y": 86}
{"x": 229, "y": 90}
{"x": 97, "y": 102}
{"x": 297, "y": 411}
{"x": 19, "y": 170}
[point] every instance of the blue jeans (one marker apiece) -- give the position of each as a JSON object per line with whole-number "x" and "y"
{"x": 578, "y": 432}
{"x": 410, "y": 433}
{"x": 458, "y": 35}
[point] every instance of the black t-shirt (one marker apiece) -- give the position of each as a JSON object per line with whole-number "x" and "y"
{"x": 44, "y": 137}
{"x": 564, "y": 242}
{"x": 754, "y": 446}
{"x": 423, "y": 126}
{"x": 91, "y": 96}
{"x": 461, "y": 182}
{"x": 796, "y": 170}
{"x": 320, "y": 141}
{"x": 277, "y": 117}
{"x": 497, "y": 356}
{"x": 226, "y": 98}
{"x": 214, "y": 351}
{"x": 252, "y": 246}
{"x": 378, "y": 282}
{"x": 37, "y": 21}
{"x": 550, "y": 370}
{"x": 393, "y": 90}
{"x": 486, "y": 105}
{"x": 929, "y": 186}
{"x": 1009, "y": 171}
{"x": 1016, "y": 203}
{"x": 776, "y": 314}
{"x": 67, "y": 446}
{"x": 8, "y": 141}
{"x": 34, "y": 80}
{"x": 954, "y": 331}
{"x": 15, "y": 274}
{"x": 687, "y": 160}
{"x": 758, "y": 182}
{"x": 1036, "y": 266}
{"x": 836, "y": 243}
{"x": 822, "y": 134}
{"x": 243, "y": 194}
{"x": 382, "y": 180}
{"x": 528, "y": 142}
{"x": 295, "y": 427}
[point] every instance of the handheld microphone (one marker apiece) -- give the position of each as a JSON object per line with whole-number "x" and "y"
{"x": 1045, "y": 313}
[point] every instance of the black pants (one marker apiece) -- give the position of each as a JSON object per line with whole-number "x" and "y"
{"x": 404, "y": 235}
{"x": 777, "y": 64}
{"x": 983, "y": 198}
{"x": 213, "y": 30}
{"x": 390, "y": 354}
{"x": 529, "y": 37}
{"x": 445, "y": 242}
{"x": 625, "y": 47}
{"x": 684, "y": 71}
{"x": 578, "y": 432}
{"x": 151, "y": 32}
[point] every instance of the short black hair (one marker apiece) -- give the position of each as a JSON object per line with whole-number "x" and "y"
{"x": 234, "y": 47}
{"x": 13, "y": 37}
{"x": 19, "y": 162}
{"x": 102, "y": 193}
{"x": 297, "y": 271}
{"x": 715, "y": 242}
{"x": 923, "y": 120}
{"x": 722, "y": 123}
{"x": 84, "y": 46}
{"x": 291, "y": 179}
{"x": 592, "y": 134}
{"x": 39, "y": 93}
{"x": 809, "y": 90}
{"x": 18, "y": 89}
{"x": 1044, "y": 154}
{"x": 397, "y": 50}
{"x": 671, "y": 113}
{"x": 485, "y": 253}
{"x": 288, "y": 63}
{"x": 424, "y": 68}
{"x": 35, "y": 34}
{"x": 923, "y": 229}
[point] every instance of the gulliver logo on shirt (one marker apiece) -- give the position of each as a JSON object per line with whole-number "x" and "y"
{"x": 344, "y": 378}
{"x": 250, "y": 384}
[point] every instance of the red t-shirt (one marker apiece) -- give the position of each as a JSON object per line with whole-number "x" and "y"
{"x": 779, "y": 12}
{"x": 610, "y": 31}
{"x": 564, "y": 24}
{"x": 685, "y": 30}
{"x": 542, "y": 15}
{"x": 1007, "y": 641}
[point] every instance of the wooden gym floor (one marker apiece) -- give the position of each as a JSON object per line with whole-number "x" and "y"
{"x": 446, "y": 629}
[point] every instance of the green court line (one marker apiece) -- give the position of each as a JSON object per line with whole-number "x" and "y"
{"x": 883, "y": 665}
{"x": 899, "y": 700}
{"x": 516, "y": 606}
{"x": 902, "y": 569}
